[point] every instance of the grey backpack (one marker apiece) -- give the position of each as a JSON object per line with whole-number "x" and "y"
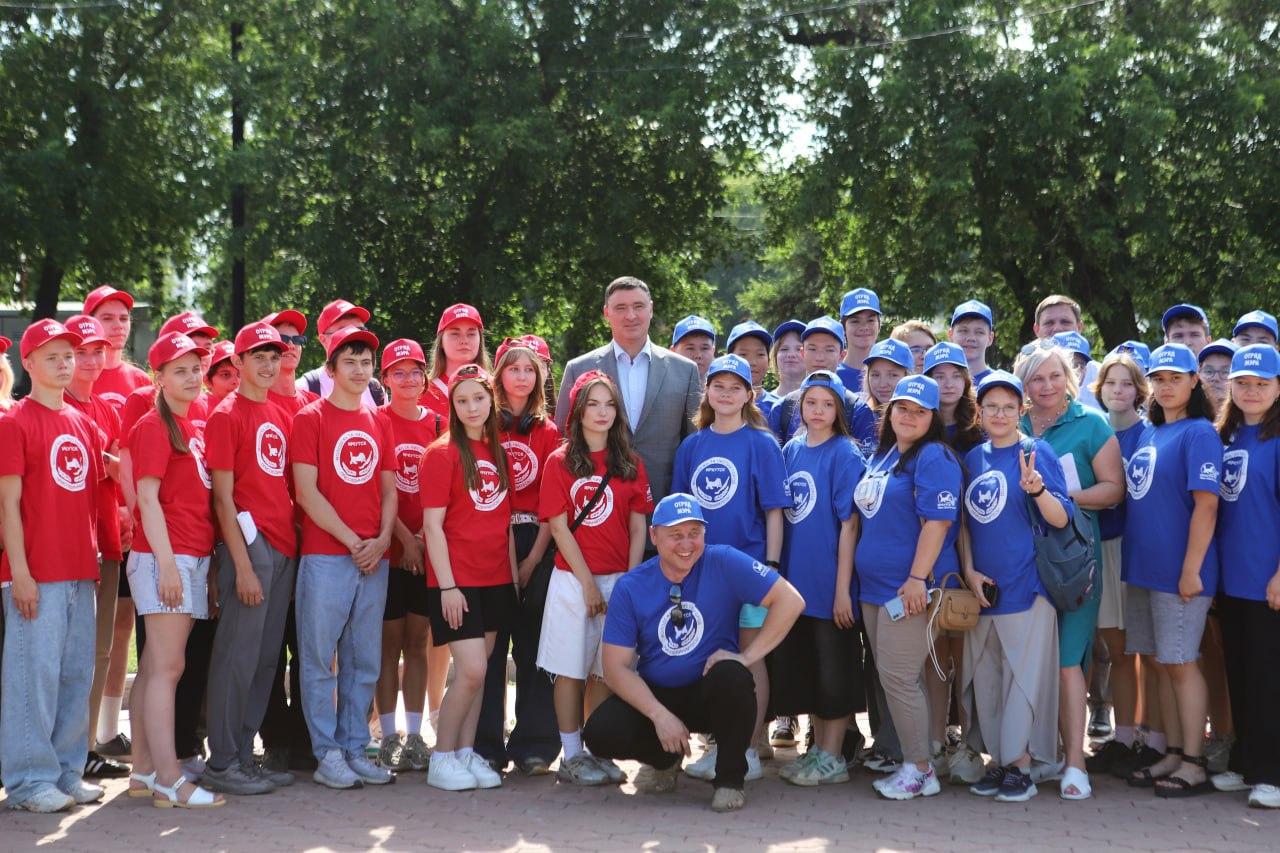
{"x": 1064, "y": 555}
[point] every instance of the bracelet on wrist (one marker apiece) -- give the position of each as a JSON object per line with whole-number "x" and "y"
{"x": 1039, "y": 493}
{"x": 776, "y": 565}
{"x": 447, "y": 588}
{"x": 914, "y": 578}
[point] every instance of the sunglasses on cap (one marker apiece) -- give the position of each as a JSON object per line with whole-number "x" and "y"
{"x": 296, "y": 340}
{"x": 1040, "y": 344}
{"x": 677, "y": 612}
{"x": 470, "y": 371}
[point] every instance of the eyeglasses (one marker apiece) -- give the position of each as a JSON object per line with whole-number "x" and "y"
{"x": 296, "y": 340}
{"x": 402, "y": 375}
{"x": 1041, "y": 343}
{"x": 1003, "y": 411}
{"x": 1211, "y": 373}
{"x": 677, "y": 612}
{"x": 918, "y": 350}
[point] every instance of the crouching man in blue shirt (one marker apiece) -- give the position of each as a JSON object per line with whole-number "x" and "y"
{"x": 671, "y": 653}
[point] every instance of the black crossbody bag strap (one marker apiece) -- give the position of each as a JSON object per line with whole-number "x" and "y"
{"x": 591, "y": 504}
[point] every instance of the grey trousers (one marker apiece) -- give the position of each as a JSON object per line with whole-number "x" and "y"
{"x": 246, "y": 649}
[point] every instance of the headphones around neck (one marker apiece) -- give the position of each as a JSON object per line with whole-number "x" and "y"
{"x": 522, "y": 425}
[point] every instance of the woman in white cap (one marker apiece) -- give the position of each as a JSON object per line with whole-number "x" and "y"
{"x": 909, "y": 502}
{"x": 1170, "y": 563}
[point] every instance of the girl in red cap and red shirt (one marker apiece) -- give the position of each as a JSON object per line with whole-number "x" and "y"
{"x": 169, "y": 566}
{"x": 459, "y": 341}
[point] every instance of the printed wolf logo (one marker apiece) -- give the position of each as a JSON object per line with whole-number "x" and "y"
{"x": 715, "y": 482}
{"x": 355, "y": 457}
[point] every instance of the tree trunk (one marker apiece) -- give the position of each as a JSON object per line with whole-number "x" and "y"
{"x": 48, "y": 288}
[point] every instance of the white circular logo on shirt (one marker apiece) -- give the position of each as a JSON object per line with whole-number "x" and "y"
{"x": 678, "y": 641}
{"x": 408, "y": 457}
{"x": 524, "y": 463}
{"x": 715, "y": 482}
{"x": 1235, "y": 472}
{"x": 1140, "y": 471}
{"x": 490, "y": 494}
{"x": 116, "y": 400}
{"x": 870, "y": 492}
{"x": 355, "y": 457}
{"x": 270, "y": 443}
{"x": 580, "y": 494}
{"x": 196, "y": 446}
{"x": 69, "y": 463}
{"x": 985, "y": 497}
{"x": 804, "y": 495}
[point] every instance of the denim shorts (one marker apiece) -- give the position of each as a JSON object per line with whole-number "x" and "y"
{"x": 1158, "y": 623}
{"x": 144, "y": 580}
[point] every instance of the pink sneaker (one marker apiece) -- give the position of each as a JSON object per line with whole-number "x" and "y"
{"x": 909, "y": 783}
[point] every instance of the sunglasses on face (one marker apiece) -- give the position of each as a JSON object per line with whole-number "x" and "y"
{"x": 677, "y": 612}
{"x": 296, "y": 340}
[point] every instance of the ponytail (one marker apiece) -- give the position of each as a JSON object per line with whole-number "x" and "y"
{"x": 171, "y": 424}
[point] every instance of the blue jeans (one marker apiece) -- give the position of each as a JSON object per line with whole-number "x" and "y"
{"x": 48, "y": 670}
{"x": 339, "y": 610}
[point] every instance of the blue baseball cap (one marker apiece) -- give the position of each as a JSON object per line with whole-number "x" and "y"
{"x": 788, "y": 326}
{"x": 1182, "y": 309}
{"x": 1221, "y": 346}
{"x": 735, "y": 364}
{"x": 1137, "y": 350}
{"x": 825, "y": 325}
{"x": 1259, "y": 360}
{"x": 1000, "y": 379}
{"x": 823, "y": 379}
{"x": 857, "y": 300}
{"x": 892, "y": 350}
{"x": 1258, "y": 318}
{"x": 1075, "y": 342}
{"x": 920, "y": 390}
{"x": 944, "y": 352}
{"x": 691, "y": 324}
{"x": 677, "y": 509}
{"x": 972, "y": 308}
{"x": 1177, "y": 358}
{"x": 749, "y": 329}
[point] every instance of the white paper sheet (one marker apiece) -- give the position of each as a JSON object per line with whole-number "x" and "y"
{"x": 247, "y": 527}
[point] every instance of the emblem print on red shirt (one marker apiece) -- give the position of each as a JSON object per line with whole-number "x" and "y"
{"x": 196, "y": 445}
{"x": 581, "y": 493}
{"x": 271, "y": 449}
{"x": 524, "y": 463}
{"x": 408, "y": 456}
{"x": 490, "y": 495}
{"x": 355, "y": 457}
{"x": 69, "y": 462}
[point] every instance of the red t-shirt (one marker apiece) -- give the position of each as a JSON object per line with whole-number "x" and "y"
{"x": 410, "y": 440}
{"x": 117, "y": 383}
{"x": 105, "y": 417}
{"x": 292, "y": 405}
{"x": 436, "y": 398}
{"x": 251, "y": 440}
{"x": 58, "y": 455}
{"x": 143, "y": 400}
{"x": 604, "y": 535}
{"x": 476, "y": 523}
{"x": 527, "y": 455}
{"x": 186, "y": 490}
{"x": 348, "y": 450}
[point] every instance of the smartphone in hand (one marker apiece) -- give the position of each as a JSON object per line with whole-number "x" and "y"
{"x": 895, "y": 608}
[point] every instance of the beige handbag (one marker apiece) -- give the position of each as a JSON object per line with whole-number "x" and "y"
{"x": 953, "y": 609}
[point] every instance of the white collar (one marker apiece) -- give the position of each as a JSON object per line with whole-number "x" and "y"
{"x": 619, "y": 353}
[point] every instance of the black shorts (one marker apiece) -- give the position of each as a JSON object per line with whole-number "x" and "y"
{"x": 489, "y": 608}
{"x": 817, "y": 669}
{"x": 406, "y": 593}
{"x": 123, "y": 590}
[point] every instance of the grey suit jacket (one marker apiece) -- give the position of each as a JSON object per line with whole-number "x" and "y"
{"x": 670, "y": 401}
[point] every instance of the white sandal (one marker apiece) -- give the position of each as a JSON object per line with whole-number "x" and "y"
{"x": 1076, "y": 778}
{"x": 148, "y": 779}
{"x": 201, "y": 798}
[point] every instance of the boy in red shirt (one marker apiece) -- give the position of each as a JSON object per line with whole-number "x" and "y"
{"x": 344, "y": 470}
{"x": 50, "y": 466}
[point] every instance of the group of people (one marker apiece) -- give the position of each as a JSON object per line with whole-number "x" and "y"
{"x": 662, "y": 546}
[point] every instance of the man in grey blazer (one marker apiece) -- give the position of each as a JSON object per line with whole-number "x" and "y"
{"x": 660, "y": 389}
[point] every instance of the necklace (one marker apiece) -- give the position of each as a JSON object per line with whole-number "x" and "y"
{"x": 1041, "y": 425}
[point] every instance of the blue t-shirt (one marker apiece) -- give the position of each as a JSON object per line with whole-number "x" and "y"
{"x": 1000, "y": 520}
{"x": 1111, "y": 521}
{"x": 820, "y": 482}
{"x": 863, "y": 425}
{"x": 850, "y": 376}
{"x": 892, "y": 507}
{"x": 1248, "y": 535}
{"x": 978, "y": 377}
{"x": 1170, "y": 463}
{"x": 766, "y": 403}
{"x": 735, "y": 477}
{"x": 711, "y": 595}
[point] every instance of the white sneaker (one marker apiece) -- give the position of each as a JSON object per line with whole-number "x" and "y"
{"x": 1265, "y": 797}
{"x": 333, "y": 772}
{"x": 44, "y": 801}
{"x": 705, "y": 767}
{"x": 1042, "y": 771}
{"x": 486, "y": 776}
{"x": 449, "y": 773}
{"x": 193, "y": 768}
{"x": 754, "y": 770}
{"x": 370, "y": 773}
{"x": 966, "y": 766}
{"x": 84, "y": 792}
{"x": 909, "y": 783}
{"x": 1229, "y": 781}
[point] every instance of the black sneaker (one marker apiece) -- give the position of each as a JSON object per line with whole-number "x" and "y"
{"x": 98, "y": 767}
{"x": 783, "y": 732}
{"x": 881, "y": 763}
{"x": 119, "y": 747}
{"x": 1100, "y": 721}
{"x": 851, "y": 748}
{"x": 276, "y": 760}
{"x": 1143, "y": 756}
{"x": 1107, "y": 757}
{"x": 989, "y": 785}
{"x": 1016, "y": 788}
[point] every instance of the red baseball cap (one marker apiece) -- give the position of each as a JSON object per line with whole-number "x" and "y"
{"x": 255, "y": 336}
{"x": 469, "y": 371}
{"x": 99, "y": 295}
{"x": 457, "y": 314}
{"x": 402, "y": 350}
{"x": 539, "y": 346}
{"x": 172, "y": 346}
{"x": 222, "y": 351}
{"x": 41, "y": 332}
{"x": 5, "y": 343}
{"x": 188, "y": 323}
{"x": 89, "y": 330}
{"x": 350, "y": 335}
{"x": 513, "y": 343}
{"x": 288, "y": 315}
{"x": 585, "y": 379}
{"x": 336, "y": 310}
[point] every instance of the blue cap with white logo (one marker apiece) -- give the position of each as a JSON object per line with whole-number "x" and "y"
{"x": 1137, "y": 350}
{"x": 823, "y": 379}
{"x": 691, "y": 324}
{"x": 749, "y": 329}
{"x": 1221, "y": 346}
{"x": 788, "y": 326}
{"x": 735, "y": 364}
{"x": 892, "y": 350}
{"x": 677, "y": 509}
{"x": 1176, "y": 358}
{"x": 972, "y": 308}
{"x": 1258, "y": 318}
{"x": 1260, "y": 360}
{"x": 1000, "y": 379}
{"x": 826, "y": 325}
{"x": 857, "y": 300}
{"x": 1075, "y": 342}
{"x": 944, "y": 352}
{"x": 1183, "y": 310}
{"x": 920, "y": 390}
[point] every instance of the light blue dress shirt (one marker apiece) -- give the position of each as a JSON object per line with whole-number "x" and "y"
{"x": 633, "y": 376}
